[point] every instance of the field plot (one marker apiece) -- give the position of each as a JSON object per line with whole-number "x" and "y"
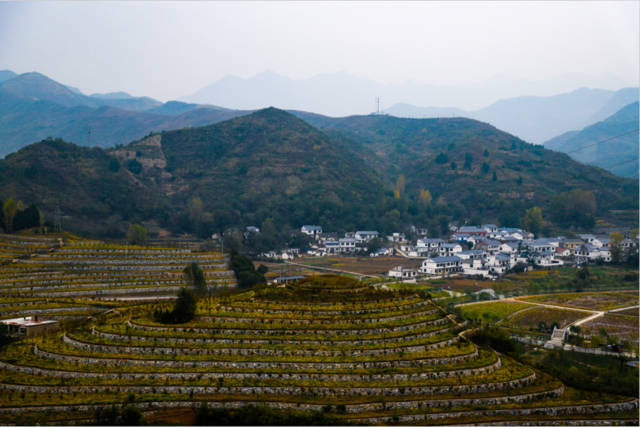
{"x": 615, "y": 324}
{"x": 360, "y": 265}
{"x": 326, "y": 343}
{"x": 492, "y": 311}
{"x": 563, "y": 279}
{"x": 51, "y": 270}
{"x": 596, "y": 301}
{"x": 532, "y": 319}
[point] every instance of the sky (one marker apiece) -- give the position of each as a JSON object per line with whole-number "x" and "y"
{"x": 168, "y": 50}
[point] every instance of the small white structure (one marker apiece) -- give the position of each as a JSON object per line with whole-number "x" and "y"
{"x": 311, "y": 230}
{"x": 449, "y": 249}
{"x": 400, "y": 272}
{"x": 365, "y": 236}
{"x": 441, "y": 265}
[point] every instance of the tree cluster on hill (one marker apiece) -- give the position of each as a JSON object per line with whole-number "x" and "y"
{"x": 15, "y": 216}
{"x": 246, "y": 274}
{"x": 183, "y": 311}
{"x": 273, "y": 170}
{"x": 127, "y": 415}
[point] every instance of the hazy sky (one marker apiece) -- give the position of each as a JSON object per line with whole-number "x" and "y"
{"x": 168, "y": 50}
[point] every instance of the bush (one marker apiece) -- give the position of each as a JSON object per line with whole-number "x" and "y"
{"x": 245, "y": 272}
{"x": 183, "y": 311}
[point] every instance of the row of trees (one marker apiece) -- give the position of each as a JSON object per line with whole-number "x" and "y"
{"x": 16, "y": 216}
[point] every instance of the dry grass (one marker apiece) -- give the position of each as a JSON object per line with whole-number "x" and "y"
{"x": 530, "y": 319}
{"x": 623, "y": 327}
{"x": 598, "y": 301}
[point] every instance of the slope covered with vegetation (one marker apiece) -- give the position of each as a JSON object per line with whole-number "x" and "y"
{"x": 276, "y": 171}
{"x": 611, "y": 144}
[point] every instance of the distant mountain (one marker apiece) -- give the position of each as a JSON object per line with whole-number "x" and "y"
{"x": 375, "y": 171}
{"x": 111, "y": 95}
{"x": 341, "y": 94}
{"x": 23, "y": 121}
{"x": 411, "y": 111}
{"x": 619, "y": 151}
{"x": 6, "y": 75}
{"x": 34, "y": 107}
{"x": 38, "y": 87}
{"x": 619, "y": 99}
{"x": 533, "y": 118}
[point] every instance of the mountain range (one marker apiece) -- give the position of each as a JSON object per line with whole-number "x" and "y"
{"x": 611, "y": 144}
{"x": 373, "y": 171}
{"x": 341, "y": 93}
{"x": 536, "y": 119}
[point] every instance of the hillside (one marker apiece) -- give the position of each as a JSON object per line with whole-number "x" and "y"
{"x": 23, "y": 121}
{"x": 356, "y": 172}
{"x": 426, "y": 151}
{"x": 535, "y": 118}
{"x": 329, "y": 344}
{"x": 619, "y": 152}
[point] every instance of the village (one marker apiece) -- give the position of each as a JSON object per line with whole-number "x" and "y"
{"x": 476, "y": 251}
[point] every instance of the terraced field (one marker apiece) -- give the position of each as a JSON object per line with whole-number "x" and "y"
{"x": 325, "y": 343}
{"x": 66, "y": 277}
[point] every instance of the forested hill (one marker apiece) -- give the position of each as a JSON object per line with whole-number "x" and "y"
{"x": 375, "y": 172}
{"x": 611, "y": 144}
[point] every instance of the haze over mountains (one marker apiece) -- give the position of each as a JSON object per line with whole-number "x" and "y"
{"x": 33, "y": 107}
{"x": 611, "y": 144}
{"x": 534, "y": 118}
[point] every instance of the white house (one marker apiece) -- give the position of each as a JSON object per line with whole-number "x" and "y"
{"x": 449, "y": 249}
{"x": 347, "y": 244}
{"x": 365, "y": 236}
{"x": 311, "y": 230}
{"x": 397, "y": 238}
{"x": 431, "y": 244}
{"x": 441, "y": 265}
{"x": 400, "y": 272}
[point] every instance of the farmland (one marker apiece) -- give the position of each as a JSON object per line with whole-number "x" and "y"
{"x": 492, "y": 311}
{"x": 531, "y": 319}
{"x": 621, "y": 326}
{"x": 600, "y": 301}
{"x": 326, "y": 343}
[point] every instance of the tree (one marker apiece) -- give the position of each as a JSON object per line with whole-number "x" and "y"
{"x": 195, "y": 278}
{"x": 134, "y": 166}
{"x": 485, "y": 153}
{"x": 373, "y": 245}
{"x": 442, "y": 158}
{"x": 485, "y": 168}
{"x": 425, "y": 197}
{"x": 494, "y": 177}
{"x": 468, "y": 158}
{"x": 615, "y": 247}
{"x": 400, "y": 185}
{"x": 245, "y": 272}
{"x": 183, "y": 311}
{"x": 532, "y": 220}
{"x": 9, "y": 210}
{"x": 137, "y": 235}
{"x": 453, "y": 166}
{"x": 114, "y": 165}
{"x": 27, "y": 218}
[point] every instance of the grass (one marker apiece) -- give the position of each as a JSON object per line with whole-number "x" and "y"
{"x": 491, "y": 311}
{"x": 597, "y": 301}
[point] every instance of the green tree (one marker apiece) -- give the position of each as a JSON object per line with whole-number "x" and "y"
{"x": 615, "y": 248}
{"x": 532, "y": 220}
{"x": 468, "y": 159}
{"x": 494, "y": 177}
{"x": 195, "y": 278}
{"x": 9, "y": 210}
{"x": 442, "y": 158}
{"x": 485, "y": 168}
{"x": 137, "y": 235}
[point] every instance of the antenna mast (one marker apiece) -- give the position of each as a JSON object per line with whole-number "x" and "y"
{"x": 378, "y": 105}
